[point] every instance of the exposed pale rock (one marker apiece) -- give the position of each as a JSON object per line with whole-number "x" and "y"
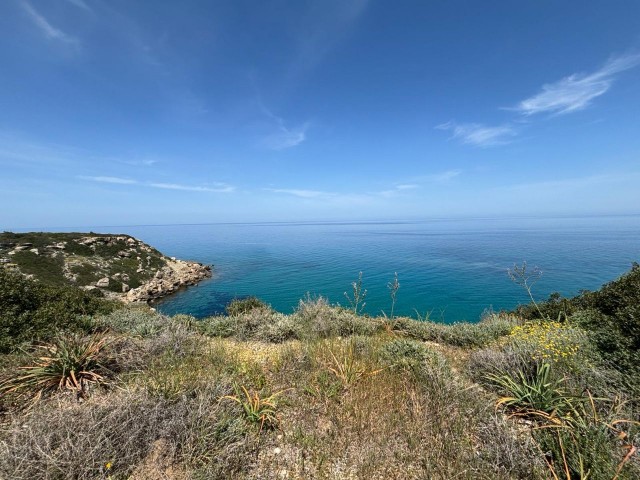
{"x": 103, "y": 282}
{"x": 177, "y": 274}
{"x": 125, "y": 288}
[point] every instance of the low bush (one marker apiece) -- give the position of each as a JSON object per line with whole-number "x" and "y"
{"x": 128, "y": 435}
{"x": 410, "y": 355}
{"x": 321, "y": 320}
{"x": 32, "y": 311}
{"x": 462, "y": 334}
{"x": 134, "y": 320}
{"x": 238, "y": 306}
{"x": 610, "y": 315}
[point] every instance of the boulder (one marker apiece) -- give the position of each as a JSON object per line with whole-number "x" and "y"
{"x": 103, "y": 282}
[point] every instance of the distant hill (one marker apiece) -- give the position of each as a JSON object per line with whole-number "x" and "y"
{"x": 116, "y": 265}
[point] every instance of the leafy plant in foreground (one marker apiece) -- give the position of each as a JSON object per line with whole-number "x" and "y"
{"x": 69, "y": 363}
{"x": 534, "y": 395}
{"x": 346, "y": 367}
{"x": 262, "y": 410}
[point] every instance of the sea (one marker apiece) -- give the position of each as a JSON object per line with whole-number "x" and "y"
{"x": 448, "y": 270}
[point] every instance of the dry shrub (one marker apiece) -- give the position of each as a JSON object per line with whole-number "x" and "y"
{"x": 461, "y": 334}
{"x": 411, "y": 423}
{"x": 506, "y": 360}
{"x": 67, "y": 440}
{"x": 321, "y": 320}
{"x": 385, "y": 426}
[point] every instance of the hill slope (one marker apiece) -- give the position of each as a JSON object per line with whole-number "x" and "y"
{"x": 117, "y": 265}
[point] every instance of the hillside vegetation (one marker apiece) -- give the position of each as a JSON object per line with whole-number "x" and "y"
{"x": 81, "y": 259}
{"x": 116, "y": 266}
{"x": 549, "y": 391}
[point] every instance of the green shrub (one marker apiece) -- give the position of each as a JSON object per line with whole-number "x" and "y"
{"x": 239, "y": 306}
{"x": 134, "y": 320}
{"x": 219, "y": 326}
{"x": 414, "y": 357}
{"x": 279, "y": 328}
{"x": 33, "y": 311}
{"x": 255, "y": 324}
{"x": 462, "y": 334}
{"x": 611, "y": 315}
{"x": 322, "y": 320}
{"x": 615, "y": 346}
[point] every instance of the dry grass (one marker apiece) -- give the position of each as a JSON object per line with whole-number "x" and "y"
{"x": 66, "y": 439}
{"x": 356, "y": 402}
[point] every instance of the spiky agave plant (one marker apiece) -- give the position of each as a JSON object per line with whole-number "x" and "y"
{"x": 534, "y": 395}
{"x": 257, "y": 409}
{"x": 68, "y": 363}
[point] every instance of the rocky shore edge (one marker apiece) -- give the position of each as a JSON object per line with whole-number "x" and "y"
{"x": 175, "y": 275}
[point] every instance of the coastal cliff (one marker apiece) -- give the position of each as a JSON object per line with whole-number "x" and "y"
{"x": 114, "y": 266}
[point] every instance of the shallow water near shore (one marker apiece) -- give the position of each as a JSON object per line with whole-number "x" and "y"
{"x": 453, "y": 269}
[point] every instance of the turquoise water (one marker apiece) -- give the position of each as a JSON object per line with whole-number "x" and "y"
{"x": 453, "y": 269}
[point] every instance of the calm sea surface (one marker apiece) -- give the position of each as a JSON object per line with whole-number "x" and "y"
{"x": 453, "y": 269}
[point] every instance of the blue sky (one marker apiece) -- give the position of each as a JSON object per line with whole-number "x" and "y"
{"x": 133, "y": 112}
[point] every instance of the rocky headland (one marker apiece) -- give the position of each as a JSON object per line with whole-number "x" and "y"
{"x": 115, "y": 266}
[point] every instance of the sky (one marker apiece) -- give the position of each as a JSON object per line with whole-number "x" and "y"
{"x": 128, "y": 112}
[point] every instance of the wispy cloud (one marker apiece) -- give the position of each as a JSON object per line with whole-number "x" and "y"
{"x": 302, "y": 193}
{"x": 416, "y": 183}
{"x": 576, "y": 91}
{"x": 80, "y": 4}
{"x": 398, "y": 189}
{"x": 442, "y": 177}
{"x": 117, "y": 180}
{"x": 566, "y": 184}
{"x": 285, "y": 137}
{"x": 282, "y": 137}
{"x": 478, "y": 134}
{"x": 216, "y": 187}
{"x": 45, "y": 27}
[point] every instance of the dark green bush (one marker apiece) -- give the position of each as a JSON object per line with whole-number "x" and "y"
{"x": 31, "y": 311}
{"x": 611, "y": 315}
{"x": 238, "y": 306}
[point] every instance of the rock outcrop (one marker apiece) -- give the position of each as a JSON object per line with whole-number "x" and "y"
{"x": 116, "y": 266}
{"x": 175, "y": 275}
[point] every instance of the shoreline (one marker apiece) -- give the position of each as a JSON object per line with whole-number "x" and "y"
{"x": 176, "y": 275}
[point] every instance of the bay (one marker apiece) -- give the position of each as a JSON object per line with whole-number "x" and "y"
{"x": 451, "y": 270}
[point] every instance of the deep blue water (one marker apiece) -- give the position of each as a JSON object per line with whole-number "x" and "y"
{"x": 454, "y": 269}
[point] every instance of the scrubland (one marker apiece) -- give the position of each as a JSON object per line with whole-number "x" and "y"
{"x": 110, "y": 392}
